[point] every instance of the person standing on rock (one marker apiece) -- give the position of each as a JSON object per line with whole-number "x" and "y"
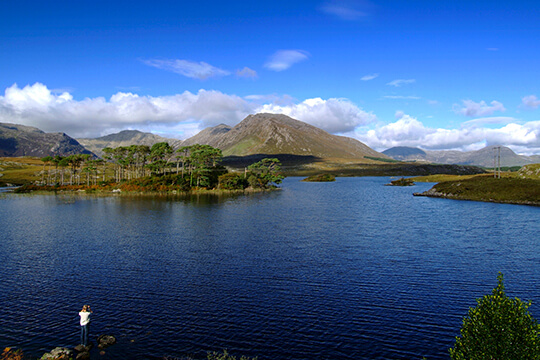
{"x": 85, "y": 323}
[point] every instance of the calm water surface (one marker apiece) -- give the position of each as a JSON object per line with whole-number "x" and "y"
{"x": 344, "y": 270}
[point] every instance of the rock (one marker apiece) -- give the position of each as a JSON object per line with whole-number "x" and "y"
{"x": 104, "y": 341}
{"x": 83, "y": 356}
{"x": 58, "y": 352}
{"x": 82, "y": 348}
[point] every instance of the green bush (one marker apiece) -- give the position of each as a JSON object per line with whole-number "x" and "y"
{"x": 232, "y": 181}
{"x": 498, "y": 328}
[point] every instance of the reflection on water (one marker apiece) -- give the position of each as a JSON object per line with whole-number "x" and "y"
{"x": 344, "y": 270}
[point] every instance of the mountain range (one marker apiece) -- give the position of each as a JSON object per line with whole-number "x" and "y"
{"x": 19, "y": 140}
{"x": 485, "y": 157}
{"x": 270, "y": 134}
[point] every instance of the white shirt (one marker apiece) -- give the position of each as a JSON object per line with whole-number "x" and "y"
{"x": 85, "y": 317}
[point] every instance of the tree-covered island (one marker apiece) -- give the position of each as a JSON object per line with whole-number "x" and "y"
{"x": 159, "y": 169}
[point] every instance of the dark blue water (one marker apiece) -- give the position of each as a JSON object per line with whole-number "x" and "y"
{"x": 344, "y": 270}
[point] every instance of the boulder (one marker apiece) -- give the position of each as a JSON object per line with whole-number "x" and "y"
{"x": 104, "y": 341}
{"x": 58, "y": 352}
{"x": 85, "y": 355}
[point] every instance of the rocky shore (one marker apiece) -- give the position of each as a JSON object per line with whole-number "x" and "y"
{"x": 80, "y": 352}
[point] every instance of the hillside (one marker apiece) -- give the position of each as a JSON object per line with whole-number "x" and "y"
{"x": 280, "y": 134}
{"x": 484, "y": 157}
{"x": 124, "y": 138}
{"x": 18, "y": 140}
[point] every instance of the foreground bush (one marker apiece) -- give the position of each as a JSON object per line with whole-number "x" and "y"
{"x": 498, "y": 328}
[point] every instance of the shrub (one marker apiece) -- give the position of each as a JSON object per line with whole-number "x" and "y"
{"x": 498, "y": 328}
{"x": 10, "y": 354}
{"x": 232, "y": 181}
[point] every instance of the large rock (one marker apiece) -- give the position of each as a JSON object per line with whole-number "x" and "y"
{"x": 104, "y": 341}
{"x": 58, "y": 352}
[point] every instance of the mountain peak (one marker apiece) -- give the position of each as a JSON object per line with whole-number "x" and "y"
{"x": 267, "y": 133}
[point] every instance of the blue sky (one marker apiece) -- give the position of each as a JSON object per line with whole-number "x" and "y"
{"x": 432, "y": 74}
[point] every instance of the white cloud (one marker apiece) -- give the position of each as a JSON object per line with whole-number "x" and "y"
{"x": 246, "y": 73}
{"x": 284, "y": 59}
{"x": 369, "y": 77}
{"x": 332, "y": 115}
{"x": 194, "y": 70}
{"x": 471, "y": 108}
{"x": 176, "y": 115}
{"x": 35, "y": 105}
{"x": 408, "y": 131}
{"x": 530, "y": 101}
{"x": 401, "y": 82}
{"x": 346, "y": 9}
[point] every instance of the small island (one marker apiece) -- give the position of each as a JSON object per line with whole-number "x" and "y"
{"x": 153, "y": 170}
{"x": 401, "y": 182}
{"x": 320, "y": 178}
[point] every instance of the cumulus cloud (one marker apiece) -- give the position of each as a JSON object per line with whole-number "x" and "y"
{"x": 471, "y": 108}
{"x": 530, "y": 101}
{"x": 332, "y": 115}
{"x": 409, "y": 131}
{"x": 35, "y": 105}
{"x": 178, "y": 115}
{"x": 246, "y": 73}
{"x": 194, "y": 70}
{"x": 349, "y": 10}
{"x": 369, "y": 77}
{"x": 284, "y": 59}
{"x": 401, "y": 82}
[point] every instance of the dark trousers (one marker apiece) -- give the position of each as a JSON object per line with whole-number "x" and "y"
{"x": 85, "y": 329}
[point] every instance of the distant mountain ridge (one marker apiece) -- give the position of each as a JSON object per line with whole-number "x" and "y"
{"x": 124, "y": 138}
{"x": 19, "y": 140}
{"x": 484, "y": 157}
{"x": 280, "y": 134}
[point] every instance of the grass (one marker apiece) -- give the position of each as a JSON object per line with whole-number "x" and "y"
{"x": 320, "y": 178}
{"x": 437, "y": 178}
{"x": 19, "y": 171}
{"x": 509, "y": 189}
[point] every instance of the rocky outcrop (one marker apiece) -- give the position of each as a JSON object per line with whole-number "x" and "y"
{"x": 104, "y": 341}
{"x": 58, "y": 353}
{"x": 19, "y": 140}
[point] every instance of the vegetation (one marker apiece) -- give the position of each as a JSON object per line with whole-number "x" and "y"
{"x": 320, "y": 178}
{"x": 402, "y": 182}
{"x": 11, "y": 354}
{"x": 498, "y": 328}
{"x": 436, "y": 178}
{"x": 529, "y": 172}
{"x": 382, "y": 159}
{"x": 151, "y": 169}
{"x": 513, "y": 190}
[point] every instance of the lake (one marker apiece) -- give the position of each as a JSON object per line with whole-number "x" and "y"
{"x": 345, "y": 270}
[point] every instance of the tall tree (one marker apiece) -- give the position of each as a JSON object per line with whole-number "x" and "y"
{"x": 265, "y": 173}
{"x": 498, "y": 328}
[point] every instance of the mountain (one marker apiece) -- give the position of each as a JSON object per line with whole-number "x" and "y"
{"x": 404, "y": 153}
{"x": 280, "y": 134}
{"x": 124, "y": 138}
{"x": 484, "y": 157}
{"x": 20, "y": 140}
